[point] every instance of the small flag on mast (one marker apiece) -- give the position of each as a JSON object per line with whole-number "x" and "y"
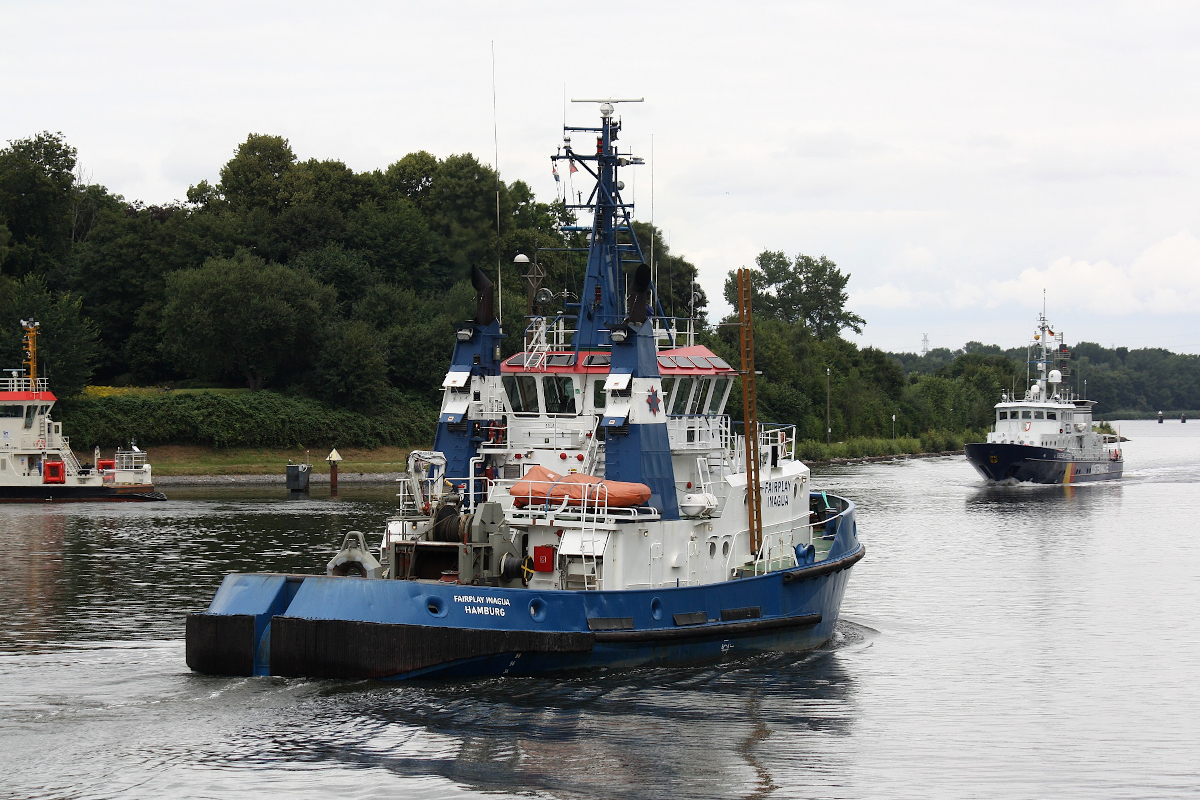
{"x": 556, "y": 178}
{"x": 574, "y": 168}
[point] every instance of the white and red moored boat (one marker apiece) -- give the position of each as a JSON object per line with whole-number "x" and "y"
{"x": 36, "y": 460}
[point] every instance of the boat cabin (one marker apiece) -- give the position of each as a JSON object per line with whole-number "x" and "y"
{"x": 1046, "y": 424}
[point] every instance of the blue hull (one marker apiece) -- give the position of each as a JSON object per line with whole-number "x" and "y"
{"x": 331, "y": 627}
{"x": 1028, "y": 463}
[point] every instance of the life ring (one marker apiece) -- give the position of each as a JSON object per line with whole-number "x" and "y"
{"x": 527, "y": 570}
{"x": 40, "y": 444}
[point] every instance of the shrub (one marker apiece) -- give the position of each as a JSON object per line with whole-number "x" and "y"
{"x": 257, "y": 419}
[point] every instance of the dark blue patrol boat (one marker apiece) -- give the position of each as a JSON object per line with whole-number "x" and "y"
{"x": 588, "y": 503}
{"x": 1046, "y": 436}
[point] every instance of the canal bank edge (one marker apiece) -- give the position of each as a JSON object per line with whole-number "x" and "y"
{"x": 380, "y": 478}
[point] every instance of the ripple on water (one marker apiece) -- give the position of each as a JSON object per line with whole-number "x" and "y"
{"x": 996, "y": 642}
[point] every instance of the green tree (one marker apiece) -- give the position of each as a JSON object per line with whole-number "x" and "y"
{"x": 461, "y": 209}
{"x": 395, "y": 239}
{"x": 255, "y": 176}
{"x": 345, "y": 270}
{"x": 244, "y": 316}
{"x": 678, "y": 291}
{"x": 68, "y": 344}
{"x": 351, "y": 368}
{"x": 805, "y": 289}
{"x": 37, "y": 184}
{"x": 411, "y": 177}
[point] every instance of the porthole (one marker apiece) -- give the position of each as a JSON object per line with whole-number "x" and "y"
{"x": 712, "y": 549}
{"x": 795, "y": 489}
{"x": 725, "y": 549}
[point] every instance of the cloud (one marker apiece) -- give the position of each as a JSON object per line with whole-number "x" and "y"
{"x": 1164, "y": 279}
{"x": 885, "y": 296}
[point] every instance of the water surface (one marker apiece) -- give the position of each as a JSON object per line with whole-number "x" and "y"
{"x": 995, "y": 642}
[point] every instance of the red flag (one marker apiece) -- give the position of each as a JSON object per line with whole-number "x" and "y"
{"x": 574, "y": 168}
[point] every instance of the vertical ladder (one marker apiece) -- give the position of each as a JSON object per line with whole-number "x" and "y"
{"x": 750, "y": 412}
{"x": 587, "y": 533}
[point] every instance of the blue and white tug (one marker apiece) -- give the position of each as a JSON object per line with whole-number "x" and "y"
{"x": 588, "y": 503}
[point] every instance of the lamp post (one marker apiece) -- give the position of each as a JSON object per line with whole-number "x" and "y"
{"x": 828, "y": 427}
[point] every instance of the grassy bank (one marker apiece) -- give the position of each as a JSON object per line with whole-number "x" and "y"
{"x": 929, "y": 442}
{"x": 174, "y": 460}
{"x": 1167, "y": 415}
{"x": 237, "y": 432}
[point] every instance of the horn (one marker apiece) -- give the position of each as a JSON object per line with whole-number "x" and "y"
{"x": 639, "y": 298}
{"x": 485, "y": 297}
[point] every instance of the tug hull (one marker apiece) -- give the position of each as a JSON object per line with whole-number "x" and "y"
{"x": 352, "y": 628}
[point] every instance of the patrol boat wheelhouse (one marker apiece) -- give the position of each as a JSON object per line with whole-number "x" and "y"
{"x": 1046, "y": 436}
{"x": 588, "y": 502}
{"x": 36, "y": 460}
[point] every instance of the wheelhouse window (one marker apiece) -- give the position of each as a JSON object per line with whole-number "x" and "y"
{"x": 30, "y": 412}
{"x": 560, "y": 394}
{"x": 1051, "y": 415}
{"x": 12, "y": 412}
{"x": 1003, "y": 415}
{"x": 667, "y": 385}
{"x": 704, "y": 385}
{"x": 1026, "y": 414}
{"x": 522, "y": 393}
{"x": 720, "y": 386}
{"x": 1038, "y": 415}
{"x": 599, "y": 396}
{"x": 683, "y": 391}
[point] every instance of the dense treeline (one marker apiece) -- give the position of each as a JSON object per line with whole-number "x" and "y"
{"x": 303, "y": 276}
{"x": 264, "y": 419}
{"x": 1120, "y": 380}
{"x": 323, "y": 284}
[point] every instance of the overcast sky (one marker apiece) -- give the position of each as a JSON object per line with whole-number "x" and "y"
{"x": 956, "y": 159}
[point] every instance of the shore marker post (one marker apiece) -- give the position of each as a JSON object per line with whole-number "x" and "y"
{"x": 333, "y": 458}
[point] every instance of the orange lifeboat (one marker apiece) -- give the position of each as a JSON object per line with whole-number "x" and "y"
{"x": 541, "y": 485}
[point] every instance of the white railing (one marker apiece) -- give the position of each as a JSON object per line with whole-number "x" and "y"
{"x": 699, "y": 432}
{"x": 543, "y": 337}
{"x": 491, "y": 400}
{"x": 130, "y": 459}
{"x": 11, "y": 384}
{"x": 775, "y": 443}
{"x": 590, "y": 506}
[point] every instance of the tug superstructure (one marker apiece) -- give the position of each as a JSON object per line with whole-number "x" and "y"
{"x": 588, "y": 502}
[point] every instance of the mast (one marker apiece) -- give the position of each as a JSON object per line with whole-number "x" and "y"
{"x": 31, "y": 357}
{"x": 750, "y": 411}
{"x": 602, "y": 301}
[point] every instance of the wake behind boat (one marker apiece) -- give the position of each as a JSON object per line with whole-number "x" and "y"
{"x": 1046, "y": 436}
{"x": 588, "y": 503}
{"x": 36, "y": 460}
